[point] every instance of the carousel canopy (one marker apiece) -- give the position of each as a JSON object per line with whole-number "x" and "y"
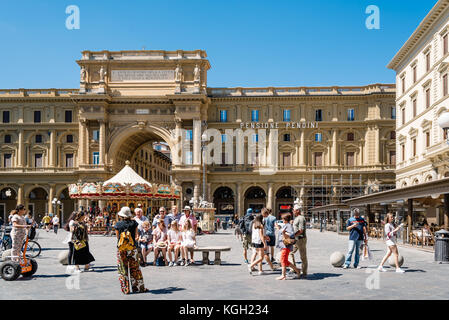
{"x": 127, "y": 176}
{"x": 126, "y": 184}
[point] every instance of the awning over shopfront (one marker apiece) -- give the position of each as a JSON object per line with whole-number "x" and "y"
{"x": 331, "y": 207}
{"x": 432, "y": 189}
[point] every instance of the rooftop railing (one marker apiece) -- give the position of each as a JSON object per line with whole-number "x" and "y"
{"x": 37, "y": 92}
{"x": 286, "y": 91}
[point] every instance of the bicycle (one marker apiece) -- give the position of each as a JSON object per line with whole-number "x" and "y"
{"x": 5, "y": 238}
{"x": 34, "y": 248}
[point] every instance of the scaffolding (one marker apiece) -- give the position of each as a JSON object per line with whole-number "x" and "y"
{"x": 328, "y": 189}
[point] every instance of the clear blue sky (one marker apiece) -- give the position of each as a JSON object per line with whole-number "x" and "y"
{"x": 249, "y": 42}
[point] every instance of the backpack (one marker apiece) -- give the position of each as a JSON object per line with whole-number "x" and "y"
{"x": 242, "y": 226}
{"x": 245, "y": 224}
{"x": 126, "y": 241}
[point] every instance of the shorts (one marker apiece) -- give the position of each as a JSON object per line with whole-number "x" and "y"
{"x": 146, "y": 246}
{"x": 257, "y": 245}
{"x": 390, "y": 243}
{"x": 272, "y": 241}
{"x": 246, "y": 241}
{"x": 284, "y": 257}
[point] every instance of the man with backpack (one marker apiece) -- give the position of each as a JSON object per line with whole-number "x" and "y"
{"x": 245, "y": 225}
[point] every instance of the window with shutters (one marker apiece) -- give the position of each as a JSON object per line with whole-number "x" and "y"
{"x": 318, "y": 115}
{"x": 393, "y": 158}
{"x": 37, "y": 116}
{"x": 286, "y": 159}
{"x": 6, "y": 117}
{"x": 427, "y": 97}
{"x": 7, "y": 160}
{"x": 68, "y": 116}
{"x": 318, "y": 159}
{"x": 38, "y": 163}
{"x": 445, "y": 85}
{"x": 350, "y": 159}
{"x": 69, "y": 160}
{"x": 414, "y": 107}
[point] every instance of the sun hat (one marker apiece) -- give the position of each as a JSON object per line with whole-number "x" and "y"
{"x": 296, "y": 207}
{"x": 161, "y": 244}
{"x": 125, "y": 212}
{"x": 186, "y": 208}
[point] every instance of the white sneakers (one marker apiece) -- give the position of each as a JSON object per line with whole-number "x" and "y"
{"x": 249, "y": 269}
{"x": 382, "y": 269}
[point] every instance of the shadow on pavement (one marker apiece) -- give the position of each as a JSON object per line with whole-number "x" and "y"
{"x": 47, "y": 276}
{"x": 59, "y": 249}
{"x": 166, "y": 290}
{"x": 321, "y": 276}
{"x": 413, "y": 270}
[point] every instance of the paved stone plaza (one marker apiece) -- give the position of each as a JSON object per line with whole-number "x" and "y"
{"x": 424, "y": 279}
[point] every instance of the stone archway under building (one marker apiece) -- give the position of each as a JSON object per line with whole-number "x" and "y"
{"x": 284, "y": 200}
{"x": 8, "y": 201}
{"x": 255, "y": 198}
{"x": 224, "y": 201}
{"x": 38, "y": 203}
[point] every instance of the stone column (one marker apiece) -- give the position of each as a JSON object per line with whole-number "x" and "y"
{"x": 334, "y": 148}
{"x": 270, "y": 196}
{"x": 196, "y": 142}
{"x": 238, "y": 196}
{"x": 102, "y": 142}
{"x": 377, "y": 145}
{"x": 302, "y": 149}
{"x": 20, "y": 194}
{"x": 81, "y": 142}
{"x": 51, "y": 195}
{"x": 52, "y": 148}
{"x": 21, "y": 152}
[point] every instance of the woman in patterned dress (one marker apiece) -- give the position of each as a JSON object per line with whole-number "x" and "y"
{"x": 19, "y": 231}
{"x": 130, "y": 276}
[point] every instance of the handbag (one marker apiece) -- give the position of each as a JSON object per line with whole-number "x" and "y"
{"x": 367, "y": 255}
{"x": 288, "y": 241}
{"x": 79, "y": 244}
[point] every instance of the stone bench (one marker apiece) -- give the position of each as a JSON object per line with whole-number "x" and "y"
{"x": 217, "y": 250}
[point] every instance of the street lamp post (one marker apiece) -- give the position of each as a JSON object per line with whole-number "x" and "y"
{"x": 203, "y": 151}
{"x": 56, "y": 203}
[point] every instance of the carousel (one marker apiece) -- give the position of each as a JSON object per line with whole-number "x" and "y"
{"x": 126, "y": 188}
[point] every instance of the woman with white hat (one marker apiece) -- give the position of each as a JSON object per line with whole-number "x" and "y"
{"x": 130, "y": 276}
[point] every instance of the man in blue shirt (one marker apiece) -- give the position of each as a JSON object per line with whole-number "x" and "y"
{"x": 269, "y": 221}
{"x": 356, "y": 226}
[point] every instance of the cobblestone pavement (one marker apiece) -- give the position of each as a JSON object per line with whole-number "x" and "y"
{"x": 424, "y": 279}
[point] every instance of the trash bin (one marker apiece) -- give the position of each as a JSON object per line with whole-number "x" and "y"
{"x": 442, "y": 246}
{"x": 224, "y": 225}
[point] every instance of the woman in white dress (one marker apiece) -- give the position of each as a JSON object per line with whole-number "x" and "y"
{"x": 188, "y": 240}
{"x": 390, "y": 233}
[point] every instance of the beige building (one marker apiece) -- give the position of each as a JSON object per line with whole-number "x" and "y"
{"x": 333, "y": 142}
{"x": 422, "y": 168}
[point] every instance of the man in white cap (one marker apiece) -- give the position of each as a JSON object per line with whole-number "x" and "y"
{"x": 188, "y": 215}
{"x": 299, "y": 227}
{"x": 140, "y": 218}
